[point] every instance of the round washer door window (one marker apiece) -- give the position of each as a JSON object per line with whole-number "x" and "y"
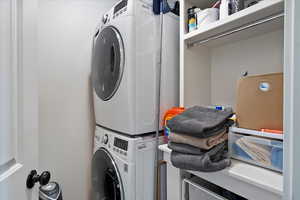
{"x": 106, "y": 180}
{"x": 108, "y": 62}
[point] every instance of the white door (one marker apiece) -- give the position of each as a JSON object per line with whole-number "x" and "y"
{"x": 18, "y": 98}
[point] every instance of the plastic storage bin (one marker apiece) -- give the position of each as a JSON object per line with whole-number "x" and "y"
{"x": 195, "y": 191}
{"x": 196, "y": 188}
{"x": 259, "y": 151}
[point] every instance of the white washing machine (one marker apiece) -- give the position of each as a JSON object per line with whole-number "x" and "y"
{"x": 124, "y": 67}
{"x": 123, "y": 167}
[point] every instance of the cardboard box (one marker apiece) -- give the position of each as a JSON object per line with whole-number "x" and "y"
{"x": 260, "y": 102}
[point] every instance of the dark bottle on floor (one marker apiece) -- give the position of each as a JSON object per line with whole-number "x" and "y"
{"x": 51, "y": 191}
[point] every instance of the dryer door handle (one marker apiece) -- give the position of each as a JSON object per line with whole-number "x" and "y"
{"x": 112, "y": 58}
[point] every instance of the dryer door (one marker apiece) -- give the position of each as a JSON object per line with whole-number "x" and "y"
{"x": 107, "y": 62}
{"x": 106, "y": 179}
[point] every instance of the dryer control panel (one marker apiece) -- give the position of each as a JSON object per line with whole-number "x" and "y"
{"x": 120, "y": 6}
{"x": 117, "y": 10}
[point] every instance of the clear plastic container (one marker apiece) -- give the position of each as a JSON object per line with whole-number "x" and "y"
{"x": 207, "y": 16}
{"x": 259, "y": 151}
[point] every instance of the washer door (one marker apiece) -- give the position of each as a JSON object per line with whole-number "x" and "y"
{"x": 106, "y": 179}
{"x": 107, "y": 62}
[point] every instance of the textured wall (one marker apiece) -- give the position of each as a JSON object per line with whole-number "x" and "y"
{"x": 65, "y": 32}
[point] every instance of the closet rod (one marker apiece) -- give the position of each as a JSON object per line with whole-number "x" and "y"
{"x": 235, "y": 30}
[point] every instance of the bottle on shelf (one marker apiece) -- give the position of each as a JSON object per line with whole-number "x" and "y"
{"x": 237, "y": 5}
{"x": 224, "y": 9}
{"x": 192, "y": 19}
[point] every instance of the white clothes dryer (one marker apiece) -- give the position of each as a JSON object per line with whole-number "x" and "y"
{"x": 122, "y": 167}
{"x": 124, "y": 67}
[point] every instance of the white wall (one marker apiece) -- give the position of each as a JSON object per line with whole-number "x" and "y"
{"x": 66, "y": 117}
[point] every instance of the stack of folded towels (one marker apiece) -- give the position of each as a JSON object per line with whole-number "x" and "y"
{"x": 198, "y": 139}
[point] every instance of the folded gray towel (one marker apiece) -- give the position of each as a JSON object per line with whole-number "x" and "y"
{"x": 211, "y": 161}
{"x": 200, "y": 122}
{"x": 186, "y": 149}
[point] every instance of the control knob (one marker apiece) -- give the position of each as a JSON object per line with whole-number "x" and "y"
{"x": 105, "y": 139}
{"x": 105, "y": 18}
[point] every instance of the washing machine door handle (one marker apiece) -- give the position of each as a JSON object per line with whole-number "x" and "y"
{"x": 112, "y": 176}
{"x": 115, "y": 183}
{"x": 107, "y": 180}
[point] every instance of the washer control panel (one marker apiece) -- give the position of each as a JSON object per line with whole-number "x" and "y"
{"x": 120, "y": 146}
{"x": 112, "y": 142}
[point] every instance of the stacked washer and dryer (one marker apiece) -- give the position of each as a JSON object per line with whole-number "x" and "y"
{"x": 125, "y": 61}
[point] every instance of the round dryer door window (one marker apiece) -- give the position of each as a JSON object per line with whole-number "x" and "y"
{"x": 108, "y": 62}
{"x": 106, "y": 180}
